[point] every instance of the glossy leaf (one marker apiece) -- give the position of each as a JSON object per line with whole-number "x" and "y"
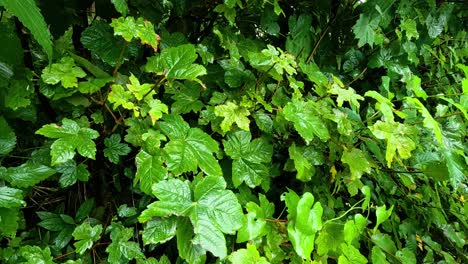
{"x": 11, "y": 197}
{"x": 64, "y": 72}
{"x": 86, "y": 235}
{"x": 7, "y": 137}
{"x": 27, "y": 174}
{"x": 233, "y": 113}
{"x": 114, "y": 148}
{"x": 248, "y": 255}
{"x": 150, "y": 170}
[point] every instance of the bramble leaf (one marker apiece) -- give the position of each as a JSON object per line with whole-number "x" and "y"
{"x": 114, "y": 149}
{"x": 86, "y": 235}
{"x": 65, "y": 72}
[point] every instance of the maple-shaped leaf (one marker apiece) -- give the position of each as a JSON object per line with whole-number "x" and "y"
{"x": 65, "y": 72}
{"x": 120, "y": 97}
{"x": 86, "y": 235}
{"x": 249, "y": 158}
{"x": 232, "y": 113}
{"x": 348, "y": 95}
{"x": 138, "y": 90}
{"x": 306, "y": 119}
{"x": 121, "y": 248}
{"x": 364, "y": 30}
{"x": 177, "y": 63}
{"x": 114, "y": 148}
{"x": 72, "y": 172}
{"x": 398, "y": 137}
{"x": 188, "y": 147}
{"x": 409, "y": 26}
{"x": 186, "y": 99}
{"x": 129, "y": 28}
{"x": 212, "y": 210}
{"x": 156, "y": 109}
{"x": 70, "y": 137}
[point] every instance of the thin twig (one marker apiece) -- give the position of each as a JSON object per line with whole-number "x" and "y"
{"x": 163, "y": 77}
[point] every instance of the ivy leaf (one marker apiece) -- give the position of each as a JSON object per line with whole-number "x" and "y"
{"x": 71, "y": 173}
{"x": 65, "y": 72}
{"x": 129, "y": 28}
{"x": 329, "y": 239}
{"x": 177, "y": 63}
{"x": 27, "y": 174}
{"x": 86, "y": 235}
{"x": 11, "y": 197}
{"x": 188, "y": 147}
{"x": 7, "y": 137}
{"x": 385, "y": 242}
{"x": 429, "y": 122}
{"x": 249, "y": 158}
{"x": 159, "y": 230}
{"x": 306, "y": 120}
{"x": 70, "y": 136}
{"x": 248, "y": 255}
{"x": 456, "y": 167}
{"x": 398, "y": 138}
{"x": 232, "y": 113}
{"x": 213, "y": 212}
{"x": 357, "y": 162}
{"x": 114, "y": 149}
{"x": 150, "y": 170}
{"x": 304, "y": 220}
{"x": 93, "y": 85}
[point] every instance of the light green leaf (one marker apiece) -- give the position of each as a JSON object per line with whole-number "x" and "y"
{"x": 304, "y": 220}
{"x": 382, "y": 214}
{"x": 188, "y": 148}
{"x": 177, "y": 63}
{"x": 398, "y": 137}
{"x": 121, "y": 6}
{"x": 29, "y": 14}
{"x": 348, "y": 95}
{"x": 18, "y": 94}
{"x": 35, "y": 254}
{"x": 429, "y": 122}
{"x": 138, "y": 90}
{"x": 364, "y": 30}
{"x": 156, "y": 109}
{"x": 232, "y": 113}
{"x": 406, "y": 255}
{"x": 305, "y": 170}
{"x": 249, "y": 158}
{"x": 378, "y": 256}
{"x": 385, "y": 242}
{"x": 27, "y": 174}
{"x": 129, "y": 28}
{"x": 306, "y": 120}
{"x": 7, "y": 137}
{"x": 457, "y": 168}
{"x": 71, "y": 173}
{"x": 86, "y": 235}
{"x": 383, "y": 104}
{"x": 65, "y": 72}
{"x": 11, "y": 197}
{"x": 93, "y": 85}
{"x": 121, "y": 248}
{"x": 357, "y": 162}
{"x": 150, "y": 170}
{"x": 9, "y": 222}
{"x": 114, "y": 149}
{"x": 367, "y": 193}
{"x": 254, "y": 223}
{"x": 70, "y": 136}
{"x": 409, "y": 26}
{"x": 351, "y": 255}
{"x": 159, "y": 230}
{"x": 120, "y": 97}
{"x": 354, "y": 228}
{"x": 249, "y": 255}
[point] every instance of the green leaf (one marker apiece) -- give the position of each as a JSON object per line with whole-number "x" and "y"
{"x": 120, "y": 97}
{"x": 248, "y": 255}
{"x": 429, "y": 122}
{"x": 156, "y": 109}
{"x": 27, "y": 174}
{"x": 232, "y": 113}
{"x": 385, "y": 242}
{"x": 129, "y": 28}
{"x": 126, "y": 211}
{"x": 409, "y": 26}
{"x": 382, "y": 214}
{"x": 364, "y": 30}
{"x": 29, "y": 14}
{"x": 351, "y": 255}
{"x": 121, "y": 6}
{"x": 70, "y": 137}
{"x": 188, "y": 148}
{"x": 35, "y": 254}
{"x": 188, "y": 250}
{"x": 19, "y": 94}
{"x": 121, "y": 248}
{"x": 186, "y": 99}
{"x": 138, "y": 90}
{"x": 213, "y": 212}
{"x": 406, "y": 255}
{"x": 85, "y": 209}
{"x": 7, "y": 137}
{"x": 9, "y": 222}
{"x": 254, "y": 224}
{"x": 354, "y": 228}
{"x": 65, "y": 72}
{"x": 150, "y": 170}
{"x": 378, "y": 256}
{"x": 93, "y": 85}
{"x": 348, "y": 95}
{"x": 357, "y": 162}
{"x": 51, "y": 221}
{"x": 314, "y": 74}
{"x": 306, "y": 120}
{"x": 177, "y": 63}
{"x": 398, "y": 136}
{"x": 71, "y": 173}
{"x": 249, "y": 158}
{"x": 456, "y": 167}
{"x": 114, "y": 148}
{"x": 11, "y": 197}
{"x": 86, "y": 235}
{"x": 305, "y": 170}
{"x": 159, "y": 230}
{"x": 304, "y": 220}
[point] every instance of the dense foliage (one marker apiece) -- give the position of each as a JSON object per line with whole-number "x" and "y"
{"x": 260, "y": 131}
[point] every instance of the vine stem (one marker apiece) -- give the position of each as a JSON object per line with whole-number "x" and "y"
{"x": 354, "y": 207}
{"x": 162, "y": 78}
